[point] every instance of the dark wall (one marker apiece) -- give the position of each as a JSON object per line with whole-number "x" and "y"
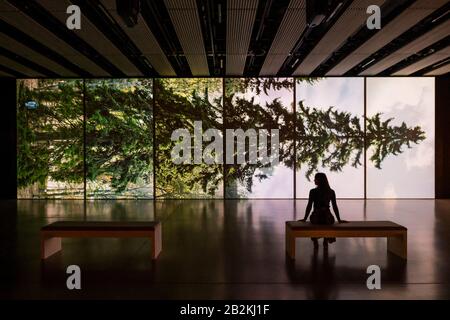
{"x": 442, "y": 176}
{"x": 8, "y": 156}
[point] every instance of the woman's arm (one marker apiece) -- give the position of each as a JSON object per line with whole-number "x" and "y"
{"x": 335, "y": 207}
{"x": 308, "y": 206}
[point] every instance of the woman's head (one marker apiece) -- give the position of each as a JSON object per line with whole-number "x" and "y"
{"x": 321, "y": 181}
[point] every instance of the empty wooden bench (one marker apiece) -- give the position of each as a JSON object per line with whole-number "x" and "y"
{"x": 396, "y": 234}
{"x": 51, "y": 234}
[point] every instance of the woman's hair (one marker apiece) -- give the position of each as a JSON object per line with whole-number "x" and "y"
{"x": 322, "y": 181}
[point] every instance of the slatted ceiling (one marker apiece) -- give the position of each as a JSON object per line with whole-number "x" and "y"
{"x": 348, "y": 23}
{"x": 20, "y": 49}
{"x": 436, "y": 34}
{"x": 144, "y": 39}
{"x": 186, "y": 21}
{"x": 439, "y": 71}
{"x": 4, "y": 61}
{"x": 92, "y": 36}
{"x": 240, "y": 19}
{"x": 21, "y": 21}
{"x": 5, "y": 75}
{"x": 289, "y": 31}
{"x": 427, "y": 61}
{"x": 403, "y": 22}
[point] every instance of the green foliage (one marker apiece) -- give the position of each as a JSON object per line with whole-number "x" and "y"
{"x": 177, "y": 110}
{"x": 388, "y": 139}
{"x": 119, "y": 134}
{"x": 50, "y": 136}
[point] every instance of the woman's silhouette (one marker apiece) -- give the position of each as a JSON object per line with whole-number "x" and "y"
{"x": 320, "y": 198}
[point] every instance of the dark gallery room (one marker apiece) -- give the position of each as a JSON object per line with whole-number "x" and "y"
{"x": 227, "y": 150}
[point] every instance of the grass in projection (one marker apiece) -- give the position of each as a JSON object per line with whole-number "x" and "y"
{"x": 261, "y": 104}
{"x": 119, "y": 138}
{"x": 178, "y": 103}
{"x": 50, "y": 138}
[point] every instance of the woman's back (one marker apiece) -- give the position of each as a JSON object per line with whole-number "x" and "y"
{"x": 321, "y": 197}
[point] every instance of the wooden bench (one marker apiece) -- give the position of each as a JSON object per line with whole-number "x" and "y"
{"x": 51, "y": 234}
{"x": 396, "y": 234}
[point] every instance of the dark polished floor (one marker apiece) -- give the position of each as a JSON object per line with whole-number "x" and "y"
{"x": 223, "y": 250}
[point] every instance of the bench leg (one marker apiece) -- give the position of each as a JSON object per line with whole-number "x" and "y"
{"x": 290, "y": 243}
{"x": 156, "y": 242}
{"x": 50, "y": 246}
{"x": 398, "y": 245}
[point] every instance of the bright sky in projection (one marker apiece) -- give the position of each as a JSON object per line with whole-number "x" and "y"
{"x": 344, "y": 94}
{"x": 280, "y": 183}
{"x": 410, "y": 174}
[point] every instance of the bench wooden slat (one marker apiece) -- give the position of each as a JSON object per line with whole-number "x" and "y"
{"x": 100, "y": 225}
{"x": 51, "y": 234}
{"x": 351, "y": 225}
{"x": 395, "y": 233}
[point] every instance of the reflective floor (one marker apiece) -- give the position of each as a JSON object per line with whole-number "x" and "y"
{"x": 214, "y": 249}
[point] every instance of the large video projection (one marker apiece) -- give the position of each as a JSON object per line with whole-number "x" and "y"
{"x": 330, "y": 135}
{"x": 400, "y": 137}
{"x": 261, "y": 104}
{"x": 50, "y": 139}
{"x": 119, "y": 138}
{"x": 180, "y": 104}
{"x": 215, "y": 138}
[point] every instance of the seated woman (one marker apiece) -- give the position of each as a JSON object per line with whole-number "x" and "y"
{"x": 320, "y": 199}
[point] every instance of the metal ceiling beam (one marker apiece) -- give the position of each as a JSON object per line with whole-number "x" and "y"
{"x": 185, "y": 19}
{"x": 439, "y": 71}
{"x": 92, "y": 36}
{"x": 425, "y": 62}
{"x": 240, "y": 20}
{"x": 18, "y": 67}
{"x": 27, "y": 25}
{"x": 432, "y": 36}
{"x": 31, "y": 55}
{"x": 289, "y": 31}
{"x": 144, "y": 39}
{"x": 349, "y": 23}
{"x": 406, "y": 20}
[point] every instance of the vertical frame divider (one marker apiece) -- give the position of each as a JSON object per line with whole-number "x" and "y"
{"x": 294, "y": 110}
{"x": 154, "y": 138}
{"x": 84, "y": 152}
{"x": 364, "y": 140}
{"x": 294, "y": 92}
{"x": 224, "y": 165}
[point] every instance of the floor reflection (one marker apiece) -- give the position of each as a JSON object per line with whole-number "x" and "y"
{"x": 223, "y": 249}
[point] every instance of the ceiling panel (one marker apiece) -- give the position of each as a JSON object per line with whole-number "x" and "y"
{"x": 289, "y": 32}
{"x": 425, "y": 62}
{"x": 403, "y": 22}
{"x": 413, "y": 47}
{"x": 4, "y": 61}
{"x": 185, "y": 19}
{"x": 92, "y": 36}
{"x": 144, "y": 39}
{"x": 350, "y": 22}
{"x": 21, "y": 21}
{"x": 439, "y": 71}
{"x": 240, "y": 19}
{"x": 24, "y": 51}
{"x": 5, "y": 74}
